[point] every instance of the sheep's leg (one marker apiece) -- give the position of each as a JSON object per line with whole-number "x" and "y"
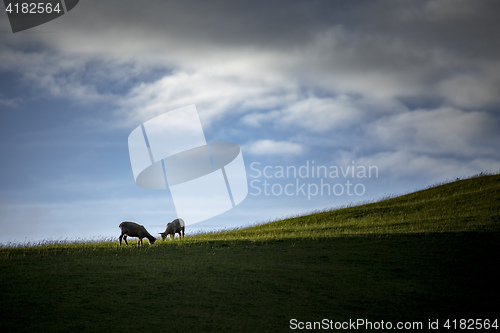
{"x": 120, "y": 239}
{"x": 125, "y": 239}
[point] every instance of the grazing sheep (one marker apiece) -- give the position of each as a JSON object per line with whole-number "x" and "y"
{"x": 134, "y": 230}
{"x": 176, "y": 226}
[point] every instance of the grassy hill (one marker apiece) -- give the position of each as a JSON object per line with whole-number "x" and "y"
{"x": 464, "y": 205}
{"x": 428, "y": 255}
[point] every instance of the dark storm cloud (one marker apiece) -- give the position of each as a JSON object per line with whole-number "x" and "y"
{"x": 223, "y": 22}
{"x": 394, "y": 49}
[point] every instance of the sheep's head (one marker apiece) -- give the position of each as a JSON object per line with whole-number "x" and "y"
{"x": 152, "y": 240}
{"x": 163, "y": 235}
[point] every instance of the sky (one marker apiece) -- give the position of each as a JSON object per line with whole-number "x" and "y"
{"x": 332, "y": 103}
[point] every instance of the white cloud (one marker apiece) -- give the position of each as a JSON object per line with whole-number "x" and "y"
{"x": 55, "y": 74}
{"x": 256, "y": 119}
{"x": 214, "y": 95}
{"x": 403, "y": 167}
{"x": 472, "y": 90}
{"x": 10, "y": 102}
{"x": 322, "y": 114}
{"x": 271, "y": 147}
{"x": 439, "y": 131}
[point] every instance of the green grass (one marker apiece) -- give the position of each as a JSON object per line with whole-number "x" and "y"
{"x": 426, "y": 255}
{"x": 465, "y": 205}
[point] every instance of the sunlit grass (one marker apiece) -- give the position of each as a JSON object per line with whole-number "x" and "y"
{"x": 426, "y": 255}
{"x": 462, "y": 206}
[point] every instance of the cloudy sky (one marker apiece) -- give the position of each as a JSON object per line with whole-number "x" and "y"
{"x": 408, "y": 88}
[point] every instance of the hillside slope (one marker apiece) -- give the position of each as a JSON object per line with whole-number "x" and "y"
{"x": 421, "y": 257}
{"x": 465, "y": 205}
